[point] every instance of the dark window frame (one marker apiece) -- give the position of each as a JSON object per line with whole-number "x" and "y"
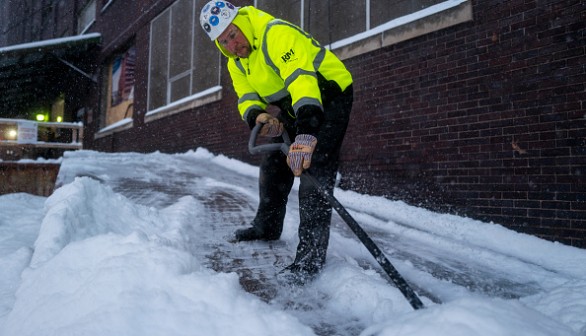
{"x": 181, "y": 40}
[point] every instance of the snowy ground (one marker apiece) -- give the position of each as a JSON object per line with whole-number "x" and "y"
{"x": 137, "y": 244}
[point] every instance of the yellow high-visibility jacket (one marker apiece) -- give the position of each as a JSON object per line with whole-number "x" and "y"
{"x": 284, "y": 61}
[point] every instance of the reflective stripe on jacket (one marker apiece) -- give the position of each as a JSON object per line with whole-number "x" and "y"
{"x": 284, "y": 61}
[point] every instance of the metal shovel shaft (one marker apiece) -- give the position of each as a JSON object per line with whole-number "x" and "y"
{"x": 378, "y": 255}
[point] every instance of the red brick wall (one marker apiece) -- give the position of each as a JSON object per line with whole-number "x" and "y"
{"x": 485, "y": 119}
{"x": 437, "y": 118}
{"x": 33, "y": 178}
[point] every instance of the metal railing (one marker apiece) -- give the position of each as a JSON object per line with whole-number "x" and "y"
{"x": 39, "y": 134}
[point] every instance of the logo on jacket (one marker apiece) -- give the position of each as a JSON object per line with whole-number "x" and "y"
{"x": 288, "y": 56}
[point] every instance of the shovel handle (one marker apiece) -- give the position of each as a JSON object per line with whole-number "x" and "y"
{"x": 253, "y": 148}
{"x": 378, "y": 255}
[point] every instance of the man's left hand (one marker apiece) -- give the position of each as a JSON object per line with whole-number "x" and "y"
{"x": 300, "y": 152}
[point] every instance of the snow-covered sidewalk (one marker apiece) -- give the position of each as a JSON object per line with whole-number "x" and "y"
{"x": 137, "y": 244}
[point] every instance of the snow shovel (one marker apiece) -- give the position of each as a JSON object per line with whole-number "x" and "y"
{"x": 378, "y": 255}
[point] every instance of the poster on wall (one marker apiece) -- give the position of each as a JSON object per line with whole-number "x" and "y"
{"x": 123, "y": 77}
{"x": 27, "y": 132}
{"x": 121, "y": 100}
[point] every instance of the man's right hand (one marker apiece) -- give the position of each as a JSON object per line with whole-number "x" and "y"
{"x": 272, "y": 127}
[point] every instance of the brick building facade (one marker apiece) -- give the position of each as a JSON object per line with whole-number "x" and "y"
{"x": 478, "y": 109}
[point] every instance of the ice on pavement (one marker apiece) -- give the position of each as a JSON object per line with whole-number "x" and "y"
{"x": 102, "y": 257}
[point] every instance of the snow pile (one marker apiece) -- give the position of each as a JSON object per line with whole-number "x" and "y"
{"x": 89, "y": 261}
{"x": 479, "y": 317}
{"x": 105, "y": 266}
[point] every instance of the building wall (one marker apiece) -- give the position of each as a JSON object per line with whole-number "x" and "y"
{"x": 33, "y": 20}
{"x": 183, "y": 131}
{"x": 485, "y": 119}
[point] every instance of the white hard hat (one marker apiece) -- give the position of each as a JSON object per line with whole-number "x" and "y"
{"x": 216, "y": 16}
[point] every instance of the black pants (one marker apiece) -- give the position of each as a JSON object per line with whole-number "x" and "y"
{"x": 276, "y": 180}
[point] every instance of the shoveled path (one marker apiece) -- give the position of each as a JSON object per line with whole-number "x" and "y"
{"x": 231, "y": 197}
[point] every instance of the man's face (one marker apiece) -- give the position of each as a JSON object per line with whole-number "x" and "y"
{"x": 235, "y": 42}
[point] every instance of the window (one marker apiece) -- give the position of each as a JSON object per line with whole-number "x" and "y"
{"x": 121, "y": 87}
{"x": 86, "y": 17}
{"x": 183, "y": 61}
{"x": 331, "y": 21}
{"x": 286, "y": 10}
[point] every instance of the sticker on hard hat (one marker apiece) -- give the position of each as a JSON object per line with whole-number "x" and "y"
{"x": 216, "y": 16}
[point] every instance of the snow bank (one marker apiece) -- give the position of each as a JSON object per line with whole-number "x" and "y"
{"x": 89, "y": 261}
{"x": 105, "y": 266}
{"x": 478, "y": 317}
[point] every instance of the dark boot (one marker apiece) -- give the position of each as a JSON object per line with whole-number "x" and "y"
{"x": 275, "y": 182}
{"x": 251, "y": 233}
{"x": 296, "y": 275}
